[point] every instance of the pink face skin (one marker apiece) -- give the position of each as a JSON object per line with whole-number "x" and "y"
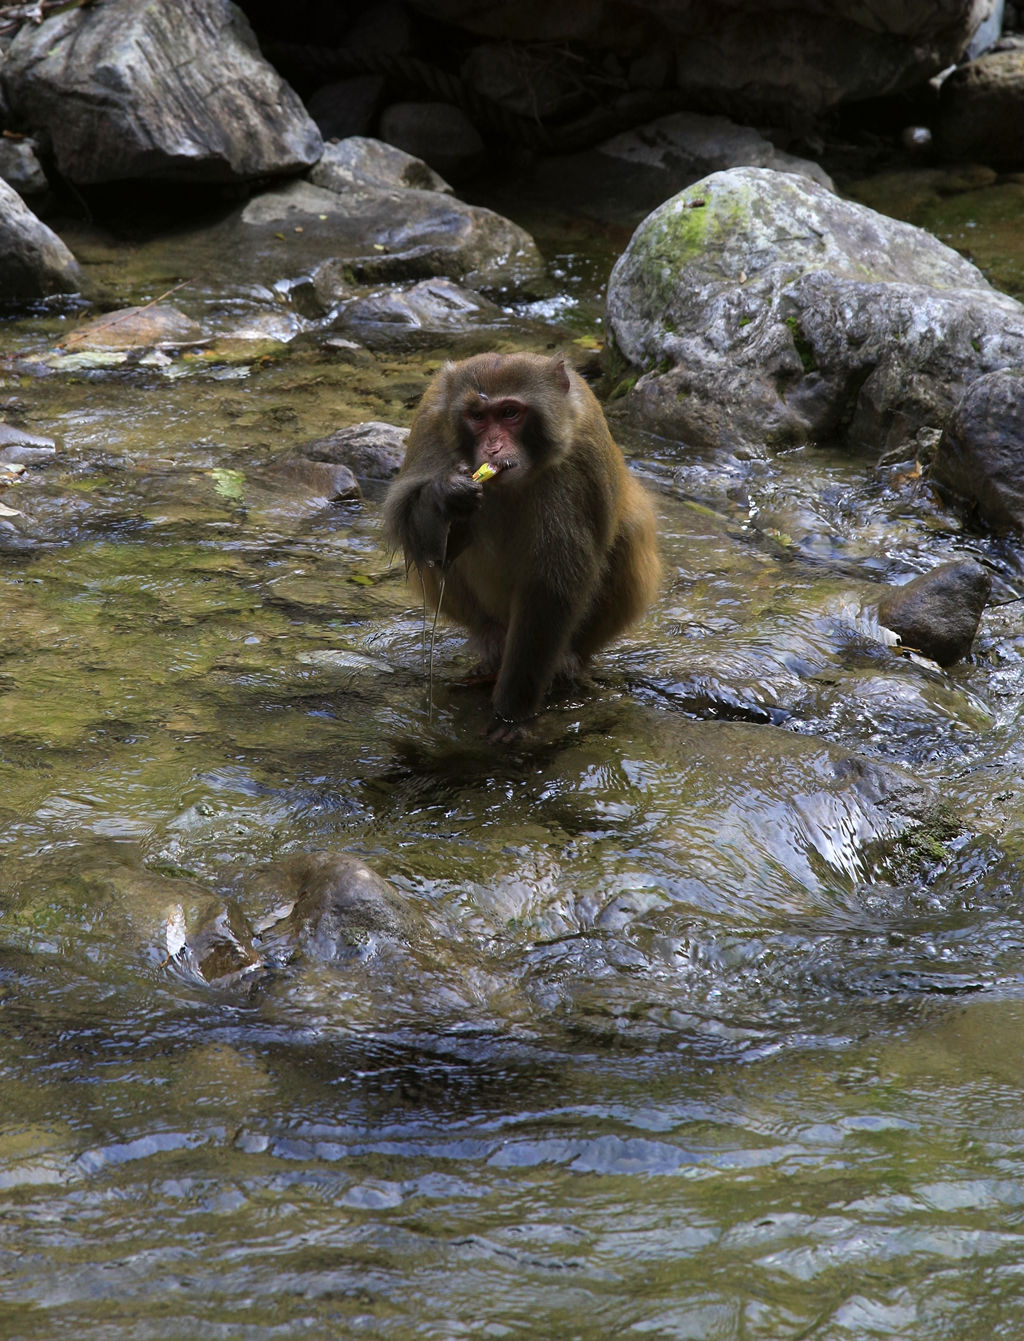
{"x": 496, "y": 426}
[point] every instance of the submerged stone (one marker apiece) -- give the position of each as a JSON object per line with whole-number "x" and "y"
{"x": 343, "y": 910}
{"x": 220, "y": 947}
{"x": 17, "y": 446}
{"x": 432, "y": 312}
{"x": 156, "y": 325}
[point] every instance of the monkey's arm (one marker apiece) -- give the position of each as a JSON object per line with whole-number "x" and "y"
{"x": 431, "y": 516}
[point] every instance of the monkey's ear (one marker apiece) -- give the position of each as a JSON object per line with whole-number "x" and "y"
{"x": 561, "y": 372}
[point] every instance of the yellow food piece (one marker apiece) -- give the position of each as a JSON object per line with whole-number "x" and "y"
{"x": 484, "y": 473}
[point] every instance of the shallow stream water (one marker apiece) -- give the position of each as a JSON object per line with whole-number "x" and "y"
{"x": 693, "y": 1038}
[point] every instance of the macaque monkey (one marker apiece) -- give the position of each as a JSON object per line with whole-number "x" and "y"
{"x": 546, "y": 556}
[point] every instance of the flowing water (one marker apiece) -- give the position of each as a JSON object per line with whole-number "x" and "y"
{"x": 709, "y": 1020}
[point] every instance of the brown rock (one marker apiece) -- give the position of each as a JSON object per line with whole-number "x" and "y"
{"x": 937, "y": 613}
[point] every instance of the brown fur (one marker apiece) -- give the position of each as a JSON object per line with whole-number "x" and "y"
{"x": 547, "y": 562}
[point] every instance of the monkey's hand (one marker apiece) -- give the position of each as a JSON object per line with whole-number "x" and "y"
{"x": 457, "y": 495}
{"x": 433, "y": 517}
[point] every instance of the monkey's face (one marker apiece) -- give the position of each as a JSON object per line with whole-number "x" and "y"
{"x": 495, "y": 432}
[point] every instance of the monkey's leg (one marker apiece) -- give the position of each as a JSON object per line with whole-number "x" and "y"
{"x": 536, "y": 646}
{"x": 488, "y": 643}
{"x": 626, "y": 588}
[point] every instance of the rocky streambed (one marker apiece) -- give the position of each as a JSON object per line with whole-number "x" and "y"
{"x": 329, "y": 1013}
{"x": 696, "y": 1013}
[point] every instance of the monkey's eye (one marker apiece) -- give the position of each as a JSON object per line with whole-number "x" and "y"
{"x": 511, "y": 412}
{"x": 477, "y": 416}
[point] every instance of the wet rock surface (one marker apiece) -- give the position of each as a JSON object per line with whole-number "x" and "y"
{"x": 326, "y": 479}
{"x": 980, "y": 109}
{"x": 372, "y": 450}
{"x": 34, "y": 262}
{"x": 979, "y": 460}
{"x": 433, "y": 312}
{"x": 220, "y": 951}
{"x": 343, "y": 911}
{"x": 154, "y": 326}
{"x": 372, "y": 235}
{"x": 338, "y": 911}
{"x": 938, "y": 612}
{"x": 360, "y": 161}
{"x": 30, "y": 449}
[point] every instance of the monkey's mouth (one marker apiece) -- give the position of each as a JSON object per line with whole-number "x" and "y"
{"x": 490, "y": 470}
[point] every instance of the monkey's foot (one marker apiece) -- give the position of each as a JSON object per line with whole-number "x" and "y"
{"x": 503, "y": 731}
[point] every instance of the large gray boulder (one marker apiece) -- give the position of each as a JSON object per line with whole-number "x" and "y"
{"x": 763, "y": 311}
{"x": 172, "y": 90}
{"x": 34, "y": 263}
